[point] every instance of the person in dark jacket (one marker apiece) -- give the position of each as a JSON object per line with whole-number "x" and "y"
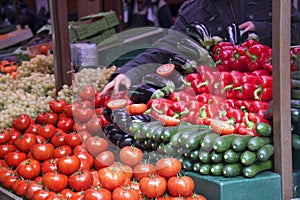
{"x": 216, "y": 15}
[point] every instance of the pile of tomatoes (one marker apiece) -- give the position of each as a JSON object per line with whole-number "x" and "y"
{"x": 8, "y": 67}
{"x": 63, "y": 154}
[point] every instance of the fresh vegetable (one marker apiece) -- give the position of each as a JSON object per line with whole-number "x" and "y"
{"x": 254, "y": 169}
{"x": 232, "y": 170}
{"x": 265, "y": 152}
{"x": 165, "y": 69}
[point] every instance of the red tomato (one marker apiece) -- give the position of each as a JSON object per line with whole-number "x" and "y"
{"x": 4, "y": 173}
{"x": 221, "y": 127}
{"x": 43, "y": 49}
{"x": 80, "y": 180}
{"x": 143, "y": 170}
{"x": 153, "y": 187}
{"x": 62, "y": 151}
{"x": 87, "y": 93}
{"x": 29, "y": 169}
{"x": 69, "y": 109}
{"x": 168, "y": 120}
{"x": 68, "y": 164}
{"x": 20, "y": 186}
{"x": 136, "y": 108}
{"x": 67, "y": 193}
{"x": 40, "y": 118}
{"x": 42, "y": 152}
{"x": 14, "y": 135}
{"x": 25, "y": 142}
{"x": 47, "y": 131}
{"x": 165, "y": 69}
{"x": 32, "y": 187}
{"x": 95, "y": 125}
{"x": 99, "y": 100}
{"x": 96, "y": 181}
{"x": 125, "y": 193}
{"x": 95, "y": 145}
{"x": 117, "y": 103}
{"x": 13, "y": 159}
{"x": 84, "y": 135}
{"x": 9, "y": 181}
{"x": 94, "y": 193}
{"x": 85, "y": 158}
{"x": 57, "y": 106}
{"x": 83, "y": 114}
{"x": 5, "y": 149}
{"x": 125, "y": 168}
{"x": 21, "y": 122}
{"x": 168, "y": 167}
{"x": 79, "y": 148}
{"x": 180, "y": 186}
{"x": 58, "y": 138}
{"x": 55, "y": 181}
{"x": 111, "y": 177}
{"x": 73, "y": 139}
{"x": 131, "y": 155}
{"x": 196, "y": 197}
{"x": 4, "y": 136}
{"x": 104, "y": 159}
{"x": 66, "y": 124}
{"x": 33, "y": 128}
{"x": 51, "y": 118}
{"x": 49, "y": 165}
{"x": 40, "y": 139}
{"x": 41, "y": 194}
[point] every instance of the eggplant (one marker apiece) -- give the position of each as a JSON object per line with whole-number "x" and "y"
{"x": 107, "y": 113}
{"x": 182, "y": 65}
{"x": 126, "y": 140}
{"x": 141, "y": 118}
{"x": 140, "y": 93}
{"x": 154, "y": 80}
{"x": 115, "y": 135}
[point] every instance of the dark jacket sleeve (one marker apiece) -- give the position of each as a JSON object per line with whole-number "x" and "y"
{"x": 161, "y": 50}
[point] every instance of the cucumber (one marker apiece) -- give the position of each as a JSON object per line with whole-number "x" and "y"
{"x": 265, "y": 152}
{"x": 256, "y": 142}
{"x": 139, "y": 137}
{"x": 148, "y": 126}
{"x": 170, "y": 150}
{"x": 194, "y": 155}
{"x": 205, "y": 169}
{"x": 194, "y": 141}
{"x": 160, "y": 147}
{"x": 181, "y": 151}
{"x": 184, "y": 136}
{"x": 196, "y": 166}
{"x": 174, "y": 140}
{"x": 224, "y": 142}
{"x": 232, "y": 170}
{"x": 204, "y": 156}
{"x": 248, "y": 157}
{"x": 187, "y": 153}
{"x": 296, "y": 141}
{"x": 263, "y": 129}
{"x": 209, "y": 141}
{"x": 187, "y": 164}
{"x": 230, "y": 156}
{"x": 254, "y": 169}
{"x": 240, "y": 142}
{"x": 217, "y": 169}
{"x": 135, "y": 126}
{"x": 216, "y": 157}
{"x": 154, "y": 133}
{"x": 147, "y": 144}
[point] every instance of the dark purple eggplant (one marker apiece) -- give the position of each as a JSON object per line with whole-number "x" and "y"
{"x": 126, "y": 140}
{"x": 140, "y": 93}
{"x": 107, "y": 112}
{"x": 141, "y": 118}
{"x": 182, "y": 65}
{"x": 154, "y": 80}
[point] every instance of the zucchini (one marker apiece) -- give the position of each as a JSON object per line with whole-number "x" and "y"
{"x": 156, "y": 135}
{"x": 170, "y": 150}
{"x": 216, "y": 157}
{"x": 146, "y": 127}
{"x": 147, "y": 144}
{"x": 209, "y": 141}
{"x": 181, "y": 151}
{"x": 296, "y": 141}
{"x": 254, "y": 169}
{"x": 205, "y": 169}
{"x": 265, "y": 152}
{"x": 160, "y": 147}
{"x": 134, "y": 127}
{"x": 232, "y": 170}
{"x": 195, "y": 140}
{"x": 256, "y": 142}
{"x": 184, "y": 136}
{"x": 174, "y": 140}
{"x": 240, "y": 142}
{"x": 204, "y": 156}
{"x": 263, "y": 129}
{"x": 217, "y": 169}
{"x": 224, "y": 142}
{"x": 196, "y": 166}
{"x": 194, "y": 155}
{"x": 230, "y": 156}
{"x": 187, "y": 153}
{"x": 248, "y": 157}
{"x": 151, "y": 131}
{"x": 187, "y": 164}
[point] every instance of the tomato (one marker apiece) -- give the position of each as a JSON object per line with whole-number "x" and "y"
{"x": 136, "y": 108}
{"x": 50, "y": 118}
{"x": 55, "y": 196}
{"x": 73, "y": 139}
{"x": 58, "y": 138}
{"x": 40, "y": 118}
{"x": 196, "y": 197}
{"x": 168, "y": 120}
{"x": 33, "y": 128}
{"x": 14, "y": 135}
{"x": 104, "y": 159}
{"x": 95, "y": 125}
{"x": 43, "y": 49}
{"x": 9, "y": 181}
{"x": 49, "y": 165}
{"x": 82, "y": 114}
{"x": 125, "y": 192}
{"x": 21, "y": 122}
{"x": 4, "y": 136}
{"x": 20, "y": 186}
{"x": 165, "y": 69}
{"x": 57, "y": 106}
{"x": 143, "y": 170}
{"x": 47, "y": 131}
{"x": 96, "y": 181}
{"x": 111, "y": 177}
{"x": 62, "y": 151}
{"x": 5, "y": 149}
{"x": 85, "y": 158}
{"x": 29, "y": 169}
{"x": 13, "y": 159}
{"x": 55, "y": 181}
{"x": 69, "y": 109}
{"x": 84, "y": 135}
{"x": 96, "y": 145}
{"x": 80, "y": 180}
{"x": 66, "y": 124}
{"x": 125, "y": 168}
{"x": 131, "y": 155}
{"x": 99, "y": 100}
{"x": 67, "y": 193}
{"x": 79, "y": 148}
{"x": 180, "y": 186}
{"x": 153, "y": 187}
{"x": 97, "y": 193}
{"x": 221, "y": 127}
{"x": 68, "y": 164}
{"x": 168, "y": 167}
{"x": 43, "y": 151}
{"x": 40, "y": 139}
{"x": 78, "y": 127}
{"x": 41, "y": 194}
{"x": 87, "y": 93}
{"x": 117, "y": 103}
{"x": 25, "y": 142}
{"x": 32, "y": 187}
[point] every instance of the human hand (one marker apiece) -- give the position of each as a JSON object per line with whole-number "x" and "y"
{"x": 247, "y": 26}
{"x": 115, "y": 84}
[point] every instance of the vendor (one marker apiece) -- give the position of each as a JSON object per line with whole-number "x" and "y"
{"x": 216, "y": 15}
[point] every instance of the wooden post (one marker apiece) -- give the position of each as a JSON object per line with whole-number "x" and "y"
{"x": 61, "y": 43}
{"x": 281, "y": 94}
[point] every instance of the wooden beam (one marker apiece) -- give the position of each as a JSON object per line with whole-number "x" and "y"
{"x": 281, "y": 94}
{"x": 61, "y": 43}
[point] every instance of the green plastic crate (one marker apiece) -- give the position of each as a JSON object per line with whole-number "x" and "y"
{"x": 103, "y": 36}
{"x": 264, "y": 186}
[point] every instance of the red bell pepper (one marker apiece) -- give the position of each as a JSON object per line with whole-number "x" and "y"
{"x": 216, "y": 50}
{"x": 249, "y": 43}
{"x": 236, "y": 114}
{"x": 246, "y": 91}
{"x": 204, "y": 98}
{"x": 238, "y": 60}
{"x": 224, "y": 62}
{"x": 182, "y": 96}
{"x": 255, "y": 56}
{"x": 264, "y": 90}
{"x": 261, "y": 72}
